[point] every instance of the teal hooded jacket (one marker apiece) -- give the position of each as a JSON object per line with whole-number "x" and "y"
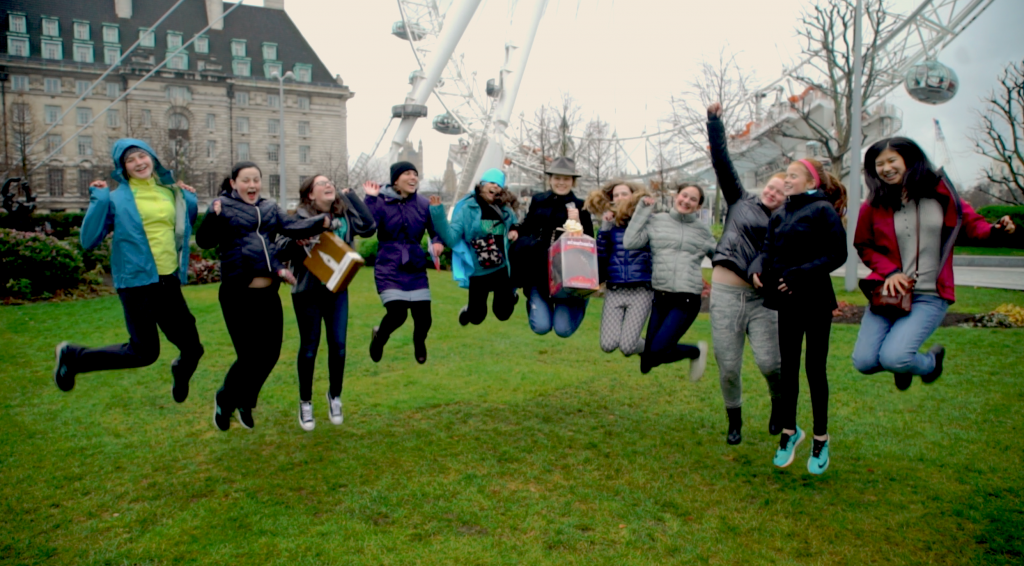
{"x": 114, "y": 210}
{"x": 465, "y": 227}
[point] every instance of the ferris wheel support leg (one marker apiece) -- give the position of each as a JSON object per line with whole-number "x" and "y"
{"x": 511, "y": 79}
{"x": 454, "y": 26}
{"x": 853, "y": 197}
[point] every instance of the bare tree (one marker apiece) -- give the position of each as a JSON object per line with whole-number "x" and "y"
{"x": 597, "y": 151}
{"x": 827, "y": 32}
{"x": 23, "y": 127}
{"x": 331, "y": 162}
{"x": 368, "y": 169}
{"x": 1001, "y": 136}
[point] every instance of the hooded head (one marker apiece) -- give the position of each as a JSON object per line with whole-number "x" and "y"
{"x": 123, "y": 147}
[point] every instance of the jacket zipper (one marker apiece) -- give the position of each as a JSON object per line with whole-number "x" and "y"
{"x": 266, "y": 254}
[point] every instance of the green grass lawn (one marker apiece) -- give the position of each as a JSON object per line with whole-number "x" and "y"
{"x": 505, "y": 448}
{"x": 968, "y": 250}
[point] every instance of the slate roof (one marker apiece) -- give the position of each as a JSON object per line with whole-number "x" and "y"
{"x": 252, "y": 23}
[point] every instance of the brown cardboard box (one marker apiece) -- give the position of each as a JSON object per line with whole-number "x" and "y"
{"x": 334, "y": 262}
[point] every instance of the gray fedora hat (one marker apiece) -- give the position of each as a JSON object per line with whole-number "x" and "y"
{"x": 563, "y": 166}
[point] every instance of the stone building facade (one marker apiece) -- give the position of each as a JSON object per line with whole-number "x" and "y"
{"x": 216, "y": 102}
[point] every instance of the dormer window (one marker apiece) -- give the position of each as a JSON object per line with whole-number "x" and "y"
{"x": 51, "y": 27}
{"x": 303, "y": 72}
{"x": 173, "y": 39}
{"x": 270, "y": 51}
{"x": 82, "y": 31}
{"x": 52, "y": 49}
{"x": 17, "y": 24}
{"x": 238, "y": 48}
{"x": 148, "y": 38}
{"x": 17, "y": 46}
{"x": 202, "y": 44}
{"x": 111, "y": 34}
{"x": 83, "y": 53}
{"x": 241, "y": 67}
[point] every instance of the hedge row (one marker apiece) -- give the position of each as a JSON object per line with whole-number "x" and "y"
{"x": 1016, "y": 213}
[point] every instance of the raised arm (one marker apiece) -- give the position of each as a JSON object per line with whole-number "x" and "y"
{"x": 209, "y": 233}
{"x": 363, "y": 223}
{"x": 99, "y": 218}
{"x": 728, "y": 180}
{"x": 636, "y": 233}
{"x": 451, "y": 233}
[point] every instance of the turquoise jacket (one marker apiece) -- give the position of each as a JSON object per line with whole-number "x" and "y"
{"x": 131, "y": 259}
{"x": 465, "y": 227}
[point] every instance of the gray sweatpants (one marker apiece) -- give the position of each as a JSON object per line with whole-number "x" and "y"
{"x": 622, "y": 320}
{"x": 737, "y": 312}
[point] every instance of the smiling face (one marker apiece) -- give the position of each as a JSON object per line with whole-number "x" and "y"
{"x": 774, "y": 194}
{"x": 489, "y": 192}
{"x": 560, "y": 184}
{"x": 248, "y": 184}
{"x": 322, "y": 193}
{"x": 407, "y": 183}
{"x": 139, "y": 165}
{"x": 890, "y": 167}
{"x": 621, "y": 193}
{"x": 687, "y": 200}
{"x": 798, "y": 179}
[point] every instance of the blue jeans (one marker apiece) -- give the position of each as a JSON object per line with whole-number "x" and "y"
{"x": 545, "y": 313}
{"x": 892, "y": 345}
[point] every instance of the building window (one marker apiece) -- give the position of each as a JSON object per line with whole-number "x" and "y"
{"x": 53, "y": 142}
{"x": 83, "y": 53}
{"x": 274, "y": 182}
{"x": 211, "y": 149}
{"x": 173, "y": 39}
{"x": 111, "y": 34}
{"x": 147, "y": 118}
{"x": 303, "y": 102}
{"x": 272, "y": 151}
{"x": 20, "y": 113}
{"x": 51, "y": 27}
{"x": 19, "y": 83}
{"x": 17, "y": 23}
{"x": 17, "y": 46}
{"x": 178, "y": 62}
{"x": 238, "y": 48}
{"x": 51, "y": 114}
{"x": 272, "y": 70}
{"x": 303, "y": 128}
{"x": 241, "y": 67}
{"x": 113, "y": 118}
{"x": 302, "y": 179}
{"x": 177, "y": 121}
{"x": 242, "y": 98}
{"x": 303, "y": 72}
{"x": 84, "y": 180}
{"x": 148, "y": 38}
{"x": 84, "y": 145}
{"x": 273, "y": 101}
{"x": 52, "y": 49}
{"x": 111, "y": 55}
{"x": 55, "y": 180}
{"x": 82, "y": 31}
{"x": 212, "y": 186}
{"x": 179, "y": 93}
{"x": 113, "y": 90}
{"x": 273, "y": 126}
{"x": 243, "y": 152}
{"x": 242, "y": 125}
{"x": 82, "y": 87}
{"x": 211, "y": 121}
{"x": 303, "y": 154}
{"x": 270, "y": 51}
{"x": 51, "y": 86}
{"x": 84, "y": 115}
{"x": 202, "y": 44}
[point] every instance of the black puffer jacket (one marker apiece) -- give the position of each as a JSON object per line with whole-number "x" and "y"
{"x": 538, "y": 230}
{"x": 746, "y": 223}
{"x": 805, "y": 243}
{"x": 245, "y": 235}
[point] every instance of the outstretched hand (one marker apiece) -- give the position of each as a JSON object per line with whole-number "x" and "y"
{"x": 649, "y": 201}
{"x": 99, "y": 184}
{"x": 513, "y": 235}
{"x": 186, "y": 187}
{"x": 1006, "y": 224}
{"x": 434, "y": 200}
{"x": 216, "y": 207}
{"x": 715, "y": 109}
{"x": 371, "y": 189}
{"x": 608, "y": 216}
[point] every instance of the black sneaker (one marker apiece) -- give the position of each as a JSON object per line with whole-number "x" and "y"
{"x": 245, "y": 418}
{"x": 376, "y": 350}
{"x": 63, "y": 375}
{"x": 903, "y": 380}
{"x": 420, "y": 351}
{"x": 180, "y": 388}
{"x": 735, "y": 424}
{"x": 939, "y": 351}
{"x": 464, "y": 316}
{"x": 221, "y": 416}
{"x": 645, "y": 364}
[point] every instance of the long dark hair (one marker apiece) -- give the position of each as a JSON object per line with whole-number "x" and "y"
{"x": 225, "y": 185}
{"x": 920, "y": 179}
{"x": 338, "y": 207}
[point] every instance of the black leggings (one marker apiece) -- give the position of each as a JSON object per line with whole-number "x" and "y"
{"x": 312, "y": 306}
{"x": 255, "y": 323}
{"x": 398, "y": 311}
{"x": 504, "y": 296}
{"x": 672, "y": 314}
{"x": 793, "y": 325}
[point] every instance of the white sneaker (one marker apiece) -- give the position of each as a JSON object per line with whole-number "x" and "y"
{"x": 697, "y": 366}
{"x": 334, "y": 409}
{"x": 306, "y": 420}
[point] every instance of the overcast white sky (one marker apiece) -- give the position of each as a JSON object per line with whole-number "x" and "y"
{"x": 622, "y": 60}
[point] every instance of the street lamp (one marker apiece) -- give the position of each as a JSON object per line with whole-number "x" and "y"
{"x": 282, "y": 163}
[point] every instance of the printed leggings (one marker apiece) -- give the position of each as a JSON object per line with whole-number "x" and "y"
{"x": 623, "y": 318}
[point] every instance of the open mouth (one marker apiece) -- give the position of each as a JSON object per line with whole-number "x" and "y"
{"x": 891, "y": 178}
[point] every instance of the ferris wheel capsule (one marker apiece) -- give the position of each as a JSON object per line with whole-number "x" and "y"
{"x": 414, "y": 31}
{"x": 931, "y": 82}
{"x": 447, "y": 124}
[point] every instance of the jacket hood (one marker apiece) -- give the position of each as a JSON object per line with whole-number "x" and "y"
{"x": 390, "y": 193}
{"x": 163, "y": 175}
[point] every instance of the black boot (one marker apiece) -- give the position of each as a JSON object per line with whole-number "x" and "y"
{"x": 773, "y": 422}
{"x": 735, "y": 424}
{"x": 903, "y": 380}
{"x": 939, "y": 351}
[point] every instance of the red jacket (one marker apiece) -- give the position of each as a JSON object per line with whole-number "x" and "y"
{"x": 875, "y": 238}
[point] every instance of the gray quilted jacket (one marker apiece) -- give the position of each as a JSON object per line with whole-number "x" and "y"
{"x": 678, "y": 244}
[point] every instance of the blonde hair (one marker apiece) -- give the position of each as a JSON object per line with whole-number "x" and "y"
{"x": 600, "y": 201}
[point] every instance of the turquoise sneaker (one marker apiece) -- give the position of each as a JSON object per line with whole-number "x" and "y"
{"x": 818, "y": 462}
{"x": 787, "y": 448}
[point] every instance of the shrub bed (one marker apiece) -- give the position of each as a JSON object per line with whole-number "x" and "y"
{"x": 1016, "y": 213}
{"x": 37, "y": 265}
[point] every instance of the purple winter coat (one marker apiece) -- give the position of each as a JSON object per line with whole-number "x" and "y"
{"x": 401, "y": 262}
